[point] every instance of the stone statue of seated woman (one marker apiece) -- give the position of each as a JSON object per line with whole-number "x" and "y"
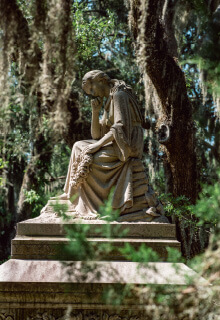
{"x": 112, "y": 160}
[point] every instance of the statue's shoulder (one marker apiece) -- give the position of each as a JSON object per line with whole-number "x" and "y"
{"x": 120, "y": 93}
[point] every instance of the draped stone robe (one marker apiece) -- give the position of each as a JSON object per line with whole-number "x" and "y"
{"x": 116, "y": 165}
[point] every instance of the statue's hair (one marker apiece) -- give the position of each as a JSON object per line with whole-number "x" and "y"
{"x": 95, "y": 75}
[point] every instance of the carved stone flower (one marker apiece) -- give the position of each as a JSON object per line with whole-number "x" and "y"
{"x": 80, "y": 170}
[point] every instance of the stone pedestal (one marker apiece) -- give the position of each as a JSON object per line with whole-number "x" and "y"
{"x": 35, "y": 285}
{"x": 42, "y": 238}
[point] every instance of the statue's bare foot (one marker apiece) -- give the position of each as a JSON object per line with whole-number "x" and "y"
{"x": 63, "y": 196}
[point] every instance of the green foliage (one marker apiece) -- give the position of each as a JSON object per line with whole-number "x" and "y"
{"x": 3, "y": 166}
{"x": 178, "y": 207}
{"x": 31, "y": 196}
{"x": 197, "y": 263}
{"x": 79, "y": 248}
{"x": 61, "y": 210}
{"x": 143, "y": 254}
{"x": 60, "y": 159}
{"x": 115, "y": 295}
{"x": 207, "y": 208}
{"x": 91, "y": 32}
{"x": 36, "y": 200}
{"x": 174, "y": 255}
{"x": 201, "y": 46}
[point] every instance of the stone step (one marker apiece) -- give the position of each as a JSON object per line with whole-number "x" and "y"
{"x": 98, "y": 228}
{"x": 53, "y": 248}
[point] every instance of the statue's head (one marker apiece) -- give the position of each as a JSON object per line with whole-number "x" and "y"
{"x": 96, "y": 83}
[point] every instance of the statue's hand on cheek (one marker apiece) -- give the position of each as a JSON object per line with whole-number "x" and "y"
{"x": 97, "y": 104}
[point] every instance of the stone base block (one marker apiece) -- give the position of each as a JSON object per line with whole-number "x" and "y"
{"x": 55, "y": 226}
{"x": 44, "y": 237}
{"x": 53, "y": 248}
{"x": 50, "y": 290}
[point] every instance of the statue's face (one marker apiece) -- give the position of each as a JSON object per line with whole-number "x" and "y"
{"x": 95, "y": 88}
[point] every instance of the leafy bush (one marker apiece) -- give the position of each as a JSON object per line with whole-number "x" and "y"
{"x": 36, "y": 200}
{"x": 207, "y": 208}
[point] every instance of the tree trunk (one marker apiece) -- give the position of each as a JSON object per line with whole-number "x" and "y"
{"x": 176, "y": 129}
{"x": 155, "y": 49}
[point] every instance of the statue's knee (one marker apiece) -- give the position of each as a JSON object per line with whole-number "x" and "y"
{"x": 76, "y": 145}
{"x": 78, "y": 148}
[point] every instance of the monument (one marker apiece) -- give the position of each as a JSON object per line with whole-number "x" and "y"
{"x": 113, "y": 158}
{"x": 40, "y": 281}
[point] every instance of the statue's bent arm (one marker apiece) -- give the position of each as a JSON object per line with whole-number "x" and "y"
{"x": 96, "y": 105}
{"x": 95, "y": 125}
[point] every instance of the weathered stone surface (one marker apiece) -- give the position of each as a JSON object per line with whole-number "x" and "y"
{"x": 57, "y": 290}
{"x": 52, "y": 225}
{"x": 54, "y": 248}
{"x": 51, "y": 289}
{"x": 60, "y": 314}
{"x": 40, "y": 238}
{"x": 23, "y": 271}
